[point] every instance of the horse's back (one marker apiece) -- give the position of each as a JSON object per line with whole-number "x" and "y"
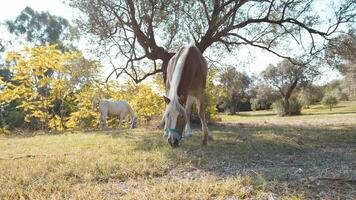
{"x": 115, "y": 107}
{"x": 194, "y": 71}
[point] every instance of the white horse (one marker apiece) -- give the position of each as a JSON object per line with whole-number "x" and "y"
{"x": 119, "y": 108}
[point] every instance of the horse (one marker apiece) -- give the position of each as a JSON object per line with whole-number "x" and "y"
{"x": 186, "y": 78}
{"x": 120, "y": 108}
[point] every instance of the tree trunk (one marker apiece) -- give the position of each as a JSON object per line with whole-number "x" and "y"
{"x": 232, "y": 109}
{"x": 285, "y": 106}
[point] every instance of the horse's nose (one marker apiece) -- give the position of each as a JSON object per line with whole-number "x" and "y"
{"x": 174, "y": 142}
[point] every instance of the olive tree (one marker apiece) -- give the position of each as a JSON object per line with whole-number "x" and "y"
{"x": 233, "y": 87}
{"x": 148, "y": 32}
{"x": 341, "y": 54}
{"x": 286, "y": 76}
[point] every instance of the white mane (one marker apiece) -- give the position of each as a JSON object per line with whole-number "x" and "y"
{"x": 177, "y": 73}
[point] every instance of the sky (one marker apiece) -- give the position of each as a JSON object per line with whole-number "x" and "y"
{"x": 254, "y": 61}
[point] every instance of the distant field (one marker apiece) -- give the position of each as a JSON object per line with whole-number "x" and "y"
{"x": 255, "y": 155}
{"x": 343, "y": 114}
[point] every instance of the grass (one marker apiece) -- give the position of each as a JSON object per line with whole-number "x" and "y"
{"x": 253, "y": 156}
{"x": 343, "y": 114}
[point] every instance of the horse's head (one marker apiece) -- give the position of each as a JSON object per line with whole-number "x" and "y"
{"x": 95, "y": 102}
{"x": 175, "y": 119}
{"x": 134, "y": 122}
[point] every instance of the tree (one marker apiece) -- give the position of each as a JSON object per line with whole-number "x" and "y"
{"x": 151, "y": 30}
{"x": 286, "y": 76}
{"x": 310, "y": 94}
{"x": 2, "y": 46}
{"x": 341, "y": 54}
{"x": 234, "y": 85}
{"x": 334, "y": 88}
{"x": 329, "y": 100}
{"x": 42, "y": 28}
{"x": 34, "y": 89}
{"x": 262, "y": 97}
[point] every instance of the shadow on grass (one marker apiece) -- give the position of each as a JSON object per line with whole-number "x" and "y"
{"x": 329, "y": 113}
{"x": 252, "y": 114}
{"x": 256, "y": 114}
{"x": 275, "y": 153}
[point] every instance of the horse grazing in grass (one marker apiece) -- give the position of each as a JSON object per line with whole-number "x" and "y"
{"x": 186, "y": 77}
{"x": 119, "y": 108}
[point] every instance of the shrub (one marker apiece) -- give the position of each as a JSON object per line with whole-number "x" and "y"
{"x": 295, "y": 107}
{"x": 278, "y": 107}
{"x": 13, "y": 119}
{"x": 330, "y": 101}
{"x": 309, "y": 95}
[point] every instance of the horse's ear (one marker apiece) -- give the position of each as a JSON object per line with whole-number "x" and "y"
{"x": 166, "y": 99}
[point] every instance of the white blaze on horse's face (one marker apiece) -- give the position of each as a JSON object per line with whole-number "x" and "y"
{"x": 175, "y": 120}
{"x": 134, "y": 122}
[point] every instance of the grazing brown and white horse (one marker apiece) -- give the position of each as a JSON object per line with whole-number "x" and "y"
{"x": 186, "y": 78}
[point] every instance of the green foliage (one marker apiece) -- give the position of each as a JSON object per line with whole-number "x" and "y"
{"x": 258, "y": 104}
{"x": 262, "y": 97}
{"x": 254, "y": 104}
{"x": 40, "y": 75}
{"x": 41, "y": 27}
{"x": 146, "y": 103}
{"x": 278, "y": 106}
{"x": 335, "y": 88}
{"x": 233, "y": 88}
{"x": 14, "y": 119}
{"x": 211, "y": 92}
{"x": 295, "y": 107}
{"x": 85, "y": 115}
{"x": 55, "y": 89}
{"x": 329, "y": 100}
{"x": 310, "y": 94}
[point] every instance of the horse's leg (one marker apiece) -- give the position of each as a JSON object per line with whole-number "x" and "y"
{"x": 100, "y": 121}
{"x": 103, "y": 120}
{"x": 201, "y": 113}
{"x": 121, "y": 118}
{"x": 188, "y": 110}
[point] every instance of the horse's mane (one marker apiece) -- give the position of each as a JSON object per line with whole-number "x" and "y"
{"x": 176, "y": 78}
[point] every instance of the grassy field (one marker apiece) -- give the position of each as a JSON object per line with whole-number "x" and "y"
{"x": 255, "y": 155}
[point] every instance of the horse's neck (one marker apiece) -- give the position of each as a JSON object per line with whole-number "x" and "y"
{"x": 177, "y": 73}
{"x": 131, "y": 112}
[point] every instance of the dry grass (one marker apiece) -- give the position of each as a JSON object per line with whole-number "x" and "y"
{"x": 252, "y": 157}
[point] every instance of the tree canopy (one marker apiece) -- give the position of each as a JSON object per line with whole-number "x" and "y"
{"x": 41, "y": 27}
{"x": 152, "y": 30}
{"x": 234, "y": 85}
{"x": 286, "y": 76}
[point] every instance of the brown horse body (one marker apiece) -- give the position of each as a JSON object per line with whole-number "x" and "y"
{"x": 186, "y": 78}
